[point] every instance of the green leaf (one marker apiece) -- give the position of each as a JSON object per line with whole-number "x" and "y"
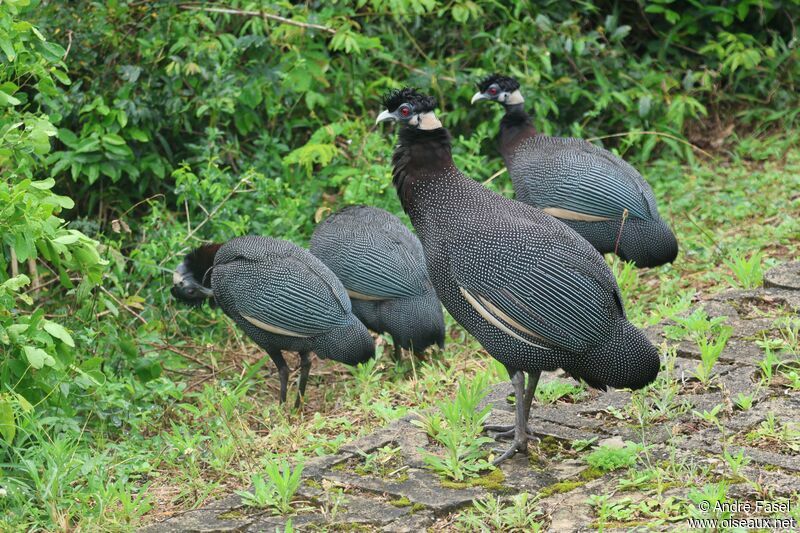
{"x": 8, "y": 100}
{"x": 44, "y": 184}
{"x": 8, "y": 49}
{"x": 37, "y": 357}
{"x": 69, "y": 238}
{"x": 8, "y": 426}
{"x": 113, "y": 139}
{"x": 59, "y": 332}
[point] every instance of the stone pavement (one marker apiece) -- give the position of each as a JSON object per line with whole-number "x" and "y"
{"x": 408, "y": 497}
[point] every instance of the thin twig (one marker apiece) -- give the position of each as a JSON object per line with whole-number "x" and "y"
{"x": 619, "y": 233}
{"x": 34, "y": 274}
{"x": 129, "y": 309}
{"x": 262, "y": 14}
{"x": 658, "y": 133}
{"x": 69, "y": 45}
{"x": 419, "y": 70}
{"x": 493, "y": 176}
{"x": 214, "y": 211}
{"x": 14, "y": 263}
{"x": 183, "y": 354}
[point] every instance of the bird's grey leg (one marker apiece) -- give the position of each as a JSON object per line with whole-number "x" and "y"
{"x": 398, "y": 353}
{"x": 283, "y": 373}
{"x": 305, "y": 368}
{"x": 520, "y": 443}
{"x": 530, "y": 392}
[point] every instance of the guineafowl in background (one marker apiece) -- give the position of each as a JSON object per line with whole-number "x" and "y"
{"x": 534, "y": 293}
{"x": 381, "y": 264}
{"x": 593, "y": 191}
{"x": 283, "y": 297}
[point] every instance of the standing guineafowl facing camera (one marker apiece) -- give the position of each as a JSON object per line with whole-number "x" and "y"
{"x": 283, "y": 297}
{"x": 534, "y": 293}
{"x": 593, "y": 191}
{"x": 382, "y": 266}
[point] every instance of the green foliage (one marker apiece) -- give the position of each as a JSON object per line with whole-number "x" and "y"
{"x": 747, "y": 272}
{"x": 710, "y": 351}
{"x": 40, "y": 354}
{"x": 520, "y": 513}
{"x": 457, "y": 427}
{"x": 696, "y": 326}
{"x": 608, "y": 458}
{"x": 553, "y": 391}
{"x": 277, "y": 489}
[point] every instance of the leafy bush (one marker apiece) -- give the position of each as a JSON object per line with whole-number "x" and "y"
{"x": 40, "y": 355}
{"x": 238, "y": 91}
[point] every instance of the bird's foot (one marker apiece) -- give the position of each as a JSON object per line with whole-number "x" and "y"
{"x": 520, "y": 446}
{"x": 507, "y": 432}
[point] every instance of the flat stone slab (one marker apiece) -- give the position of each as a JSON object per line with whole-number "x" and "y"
{"x": 413, "y": 498}
{"x": 786, "y": 276}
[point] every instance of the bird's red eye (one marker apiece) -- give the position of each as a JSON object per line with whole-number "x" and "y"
{"x": 405, "y": 111}
{"x": 493, "y": 90}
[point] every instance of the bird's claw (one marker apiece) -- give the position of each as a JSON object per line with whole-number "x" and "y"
{"x": 517, "y": 446}
{"x": 507, "y": 432}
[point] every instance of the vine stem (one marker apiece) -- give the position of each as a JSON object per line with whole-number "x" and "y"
{"x": 262, "y": 14}
{"x": 657, "y": 133}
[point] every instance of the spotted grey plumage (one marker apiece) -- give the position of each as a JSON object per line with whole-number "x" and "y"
{"x": 596, "y": 193}
{"x": 283, "y": 297}
{"x": 534, "y": 293}
{"x": 381, "y": 264}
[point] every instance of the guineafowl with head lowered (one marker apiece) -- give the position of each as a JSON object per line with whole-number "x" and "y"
{"x": 283, "y": 297}
{"x": 593, "y": 191}
{"x": 382, "y": 266}
{"x": 534, "y": 293}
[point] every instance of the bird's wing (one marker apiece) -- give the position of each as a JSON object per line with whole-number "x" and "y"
{"x": 288, "y": 297}
{"x": 555, "y": 293}
{"x": 589, "y": 181}
{"x": 374, "y": 265}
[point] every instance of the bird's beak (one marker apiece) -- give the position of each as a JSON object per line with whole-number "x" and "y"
{"x": 479, "y": 96}
{"x": 384, "y": 116}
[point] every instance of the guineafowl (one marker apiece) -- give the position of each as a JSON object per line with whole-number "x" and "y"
{"x": 534, "y": 293}
{"x": 283, "y": 297}
{"x": 382, "y": 266}
{"x": 593, "y": 191}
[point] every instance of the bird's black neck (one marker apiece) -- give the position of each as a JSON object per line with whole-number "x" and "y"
{"x": 515, "y": 126}
{"x": 419, "y": 153}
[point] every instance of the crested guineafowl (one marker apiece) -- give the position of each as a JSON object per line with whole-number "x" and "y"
{"x": 534, "y": 293}
{"x": 283, "y": 297}
{"x": 588, "y": 188}
{"x": 381, "y": 264}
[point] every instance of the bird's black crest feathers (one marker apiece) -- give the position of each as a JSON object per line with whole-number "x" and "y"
{"x": 506, "y": 83}
{"x": 409, "y": 95}
{"x": 200, "y": 260}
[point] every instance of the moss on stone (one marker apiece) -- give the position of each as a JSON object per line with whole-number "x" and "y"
{"x": 491, "y": 481}
{"x": 560, "y": 488}
{"x": 549, "y": 445}
{"x": 401, "y": 502}
{"x": 234, "y": 514}
{"x": 417, "y": 507}
{"x": 591, "y": 473}
{"x": 313, "y": 484}
{"x": 339, "y": 467}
